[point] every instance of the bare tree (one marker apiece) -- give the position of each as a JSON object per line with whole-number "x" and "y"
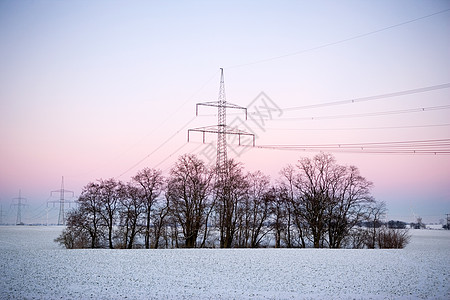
{"x": 349, "y": 205}
{"x": 188, "y": 189}
{"x": 159, "y": 220}
{"x": 109, "y": 196}
{"x": 391, "y": 238}
{"x": 294, "y": 212}
{"x": 260, "y": 198}
{"x": 149, "y": 184}
{"x": 132, "y": 207}
{"x": 229, "y": 192}
{"x": 279, "y": 216}
{"x": 313, "y": 183}
{"x": 76, "y": 234}
{"x": 376, "y": 212}
{"x": 316, "y": 203}
{"x": 242, "y": 235}
{"x": 332, "y": 198}
{"x": 86, "y": 219}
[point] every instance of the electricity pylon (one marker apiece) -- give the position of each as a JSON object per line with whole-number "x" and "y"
{"x": 19, "y": 205}
{"x": 61, "y": 201}
{"x": 221, "y": 128}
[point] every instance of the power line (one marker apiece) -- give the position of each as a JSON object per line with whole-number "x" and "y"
{"x": 349, "y": 101}
{"x": 339, "y": 41}
{"x": 360, "y": 99}
{"x": 8, "y": 214}
{"x": 372, "y": 114}
{"x": 37, "y": 212}
{"x": 162, "y": 123}
{"x": 371, "y": 98}
{"x": 170, "y": 155}
{"x": 173, "y": 153}
{"x": 425, "y": 143}
{"x": 156, "y": 149}
{"x": 434, "y": 147}
{"x": 177, "y": 109}
{"x": 359, "y": 128}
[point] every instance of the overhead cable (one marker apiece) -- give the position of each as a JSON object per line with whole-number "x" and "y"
{"x": 157, "y": 148}
{"x": 434, "y": 147}
{"x": 358, "y": 128}
{"x": 370, "y": 114}
{"x": 371, "y": 98}
{"x": 337, "y": 42}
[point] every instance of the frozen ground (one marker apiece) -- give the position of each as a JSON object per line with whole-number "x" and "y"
{"x": 32, "y": 266}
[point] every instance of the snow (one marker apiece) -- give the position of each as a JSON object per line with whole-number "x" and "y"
{"x": 32, "y": 266}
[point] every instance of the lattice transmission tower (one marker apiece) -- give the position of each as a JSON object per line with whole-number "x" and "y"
{"x": 62, "y": 201}
{"x": 1, "y": 214}
{"x": 19, "y": 205}
{"x": 222, "y": 129}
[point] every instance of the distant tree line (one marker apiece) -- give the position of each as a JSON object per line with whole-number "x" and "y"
{"x": 316, "y": 203}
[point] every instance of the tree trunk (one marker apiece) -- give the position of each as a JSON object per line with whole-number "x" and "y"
{"x": 147, "y": 230}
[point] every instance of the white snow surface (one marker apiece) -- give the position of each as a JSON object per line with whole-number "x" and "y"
{"x": 33, "y": 266}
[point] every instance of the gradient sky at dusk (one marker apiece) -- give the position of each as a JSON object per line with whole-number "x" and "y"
{"x": 100, "y": 89}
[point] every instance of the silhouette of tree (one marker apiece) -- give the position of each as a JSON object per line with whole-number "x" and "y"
{"x": 188, "y": 188}
{"x": 149, "y": 183}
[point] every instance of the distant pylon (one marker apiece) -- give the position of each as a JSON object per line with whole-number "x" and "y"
{"x": 1, "y": 214}
{"x": 221, "y": 129}
{"x": 61, "y": 201}
{"x": 19, "y": 205}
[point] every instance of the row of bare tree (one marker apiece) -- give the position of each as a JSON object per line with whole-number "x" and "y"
{"x": 316, "y": 203}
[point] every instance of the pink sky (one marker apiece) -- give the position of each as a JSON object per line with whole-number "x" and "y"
{"x": 88, "y": 90}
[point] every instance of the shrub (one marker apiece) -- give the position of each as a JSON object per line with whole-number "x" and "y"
{"x": 391, "y": 238}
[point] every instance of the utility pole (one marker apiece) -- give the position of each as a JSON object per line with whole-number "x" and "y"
{"x": 19, "y": 205}
{"x": 221, "y": 128}
{"x": 61, "y": 201}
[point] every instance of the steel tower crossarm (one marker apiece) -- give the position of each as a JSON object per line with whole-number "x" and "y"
{"x": 221, "y": 128}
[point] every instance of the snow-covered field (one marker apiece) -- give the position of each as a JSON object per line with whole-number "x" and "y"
{"x": 32, "y": 266}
